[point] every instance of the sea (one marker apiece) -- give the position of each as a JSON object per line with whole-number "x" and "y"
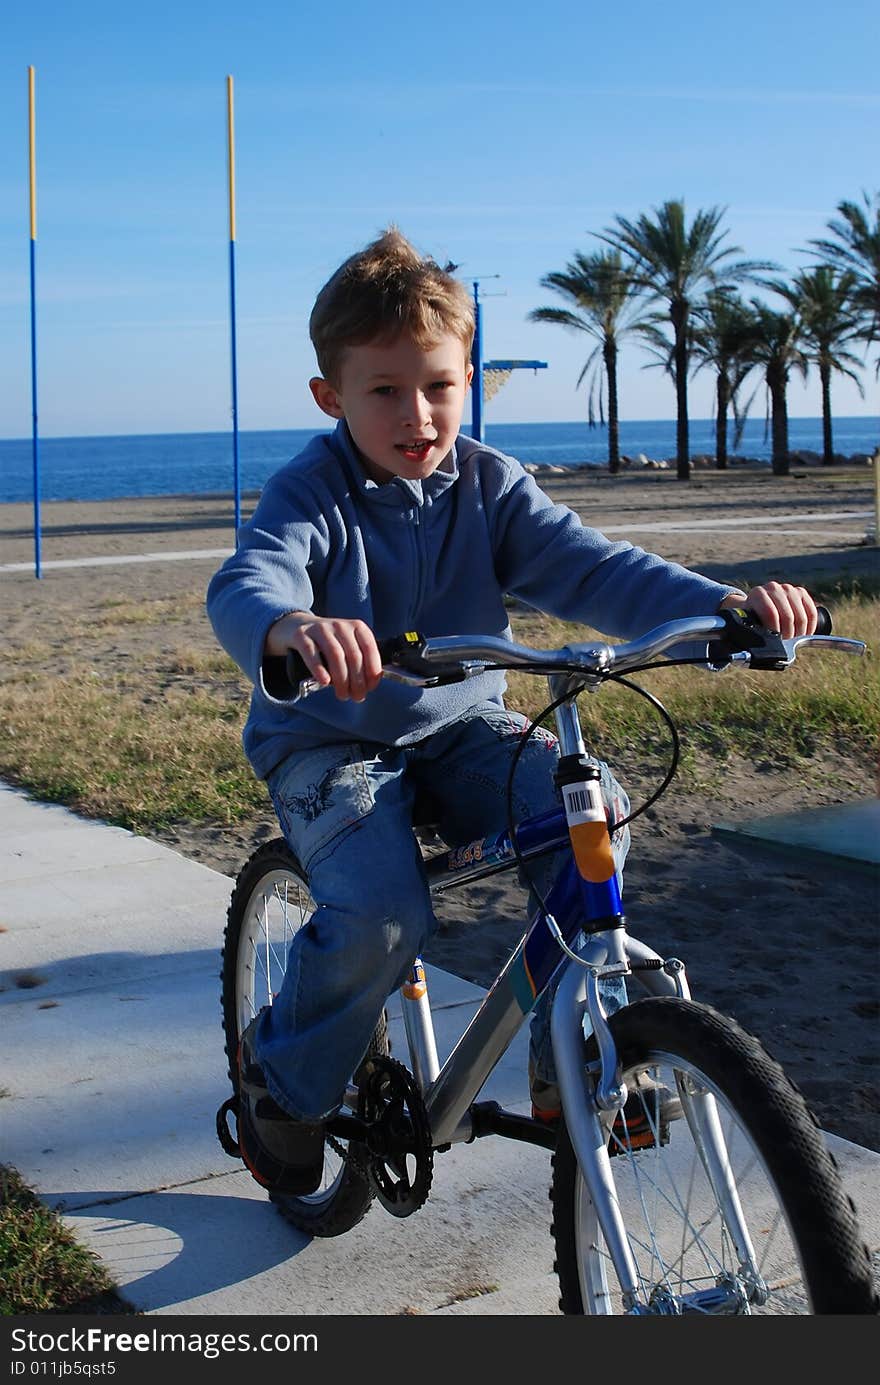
{"x": 109, "y": 468}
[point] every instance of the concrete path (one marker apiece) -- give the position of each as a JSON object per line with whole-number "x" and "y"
{"x": 114, "y": 1068}
{"x": 847, "y": 834}
{"x": 795, "y": 522}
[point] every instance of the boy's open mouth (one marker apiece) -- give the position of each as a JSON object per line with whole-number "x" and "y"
{"x": 416, "y": 450}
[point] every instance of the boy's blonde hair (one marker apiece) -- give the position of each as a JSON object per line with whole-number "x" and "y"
{"x": 382, "y": 291}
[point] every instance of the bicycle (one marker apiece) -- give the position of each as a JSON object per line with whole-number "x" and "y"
{"x": 735, "y": 1207}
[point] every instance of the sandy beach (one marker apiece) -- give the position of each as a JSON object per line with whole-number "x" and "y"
{"x": 786, "y": 945}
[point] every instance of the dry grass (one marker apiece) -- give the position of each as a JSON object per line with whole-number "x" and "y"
{"x": 825, "y": 698}
{"x": 149, "y": 740}
{"x": 119, "y": 612}
{"x": 141, "y": 752}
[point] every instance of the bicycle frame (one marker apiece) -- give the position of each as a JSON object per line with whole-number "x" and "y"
{"x": 579, "y": 935}
{"x": 579, "y": 908}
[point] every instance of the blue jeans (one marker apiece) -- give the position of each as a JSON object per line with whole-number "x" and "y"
{"x": 347, "y": 813}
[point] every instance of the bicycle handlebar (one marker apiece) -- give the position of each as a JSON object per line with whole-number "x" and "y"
{"x": 427, "y": 662}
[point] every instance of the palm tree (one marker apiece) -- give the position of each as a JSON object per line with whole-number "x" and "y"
{"x": 854, "y": 247}
{"x": 603, "y": 305}
{"x": 823, "y": 298}
{"x": 723, "y": 338}
{"x": 675, "y": 263}
{"x": 777, "y": 351}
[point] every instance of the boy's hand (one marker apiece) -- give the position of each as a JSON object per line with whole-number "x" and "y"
{"x": 338, "y": 652}
{"x": 778, "y": 606}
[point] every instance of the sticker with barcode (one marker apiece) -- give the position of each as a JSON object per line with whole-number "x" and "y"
{"x": 583, "y": 803}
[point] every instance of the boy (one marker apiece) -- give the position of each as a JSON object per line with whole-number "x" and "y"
{"x": 397, "y": 521}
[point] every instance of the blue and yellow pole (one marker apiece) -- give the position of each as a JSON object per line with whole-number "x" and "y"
{"x": 32, "y": 168}
{"x": 230, "y": 144}
{"x": 477, "y": 359}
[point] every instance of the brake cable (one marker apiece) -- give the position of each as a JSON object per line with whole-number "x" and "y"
{"x": 572, "y": 695}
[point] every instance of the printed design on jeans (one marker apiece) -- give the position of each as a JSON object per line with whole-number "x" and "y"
{"x": 542, "y": 735}
{"x": 316, "y": 799}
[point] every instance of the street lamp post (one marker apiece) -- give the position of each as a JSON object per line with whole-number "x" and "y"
{"x": 477, "y": 357}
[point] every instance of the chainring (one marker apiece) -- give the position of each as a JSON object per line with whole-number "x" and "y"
{"x": 400, "y": 1160}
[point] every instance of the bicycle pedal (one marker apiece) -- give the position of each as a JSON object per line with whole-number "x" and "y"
{"x": 229, "y": 1144}
{"x": 627, "y": 1141}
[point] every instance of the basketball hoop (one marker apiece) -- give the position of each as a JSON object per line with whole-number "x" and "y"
{"x": 493, "y": 380}
{"x": 497, "y": 373}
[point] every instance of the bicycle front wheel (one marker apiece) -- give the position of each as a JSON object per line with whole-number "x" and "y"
{"x": 736, "y": 1208}
{"x": 270, "y": 903}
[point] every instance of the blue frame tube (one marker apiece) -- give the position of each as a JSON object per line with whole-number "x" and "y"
{"x": 572, "y": 900}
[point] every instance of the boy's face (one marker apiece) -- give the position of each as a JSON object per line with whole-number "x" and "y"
{"x": 403, "y": 403}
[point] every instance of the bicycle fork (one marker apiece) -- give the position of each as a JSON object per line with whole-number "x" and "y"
{"x": 578, "y": 994}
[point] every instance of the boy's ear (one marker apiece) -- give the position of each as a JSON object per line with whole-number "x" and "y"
{"x": 326, "y": 397}
{"x": 469, "y": 375}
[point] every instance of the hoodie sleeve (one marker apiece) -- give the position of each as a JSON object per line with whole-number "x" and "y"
{"x": 547, "y": 557}
{"x": 268, "y": 575}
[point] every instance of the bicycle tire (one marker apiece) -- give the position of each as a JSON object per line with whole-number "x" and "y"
{"x": 270, "y": 903}
{"x": 777, "y": 1152}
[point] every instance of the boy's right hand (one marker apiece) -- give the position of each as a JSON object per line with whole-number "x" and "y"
{"x": 341, "y": 653}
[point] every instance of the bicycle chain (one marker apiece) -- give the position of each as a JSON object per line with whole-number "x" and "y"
{"x": 358, "y": 1163}
{"x": 360, "y": 1160}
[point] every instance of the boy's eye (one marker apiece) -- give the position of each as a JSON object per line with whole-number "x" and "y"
{"x": 442, "y": 385}
{"x": 384, "y": 389}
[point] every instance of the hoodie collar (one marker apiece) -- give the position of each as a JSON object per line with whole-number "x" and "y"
{"x": 399, "y": 491}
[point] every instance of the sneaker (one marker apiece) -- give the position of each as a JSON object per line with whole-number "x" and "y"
{"x": 546, "y": 1102}
{"x": 646, "y": 1114}
{"x": 649, "y": 1107}
{"x": 283, "y": 1154}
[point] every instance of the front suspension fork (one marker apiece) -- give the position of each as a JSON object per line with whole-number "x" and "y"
{"x": 605, "y": 955}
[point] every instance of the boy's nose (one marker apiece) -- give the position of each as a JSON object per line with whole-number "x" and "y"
{"x": 415, "y": 409}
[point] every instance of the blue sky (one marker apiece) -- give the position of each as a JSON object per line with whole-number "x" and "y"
{"x": 497, "y": 138}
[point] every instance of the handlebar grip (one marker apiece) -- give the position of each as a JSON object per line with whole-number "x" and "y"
{"x": 823, "y": 625}
{"x": 399, "y": 649}
{"x": 296, "y": 668}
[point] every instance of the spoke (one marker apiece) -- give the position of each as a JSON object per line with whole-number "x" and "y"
{"x": 673, "y": 1200}
{"x": 268, "y": 972}
{"x": 657, "y": 1186}
{"x": 646, "y": 1174}
{"x": 275, "y": 914}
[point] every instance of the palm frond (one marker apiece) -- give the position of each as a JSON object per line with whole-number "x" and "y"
{"x": 603, "y": 302}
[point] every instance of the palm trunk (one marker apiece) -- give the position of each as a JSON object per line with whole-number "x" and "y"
{"x": 777, "y": 381}
{"x": 609, "y": 351}
{"x": 827, "y": 443}
{"x": 722, "y": 396}
{"x": 678, "y": 313}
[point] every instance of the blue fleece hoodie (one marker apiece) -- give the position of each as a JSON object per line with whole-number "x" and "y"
{"x": 436, "y": 556}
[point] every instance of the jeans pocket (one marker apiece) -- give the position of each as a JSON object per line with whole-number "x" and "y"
{"x": 319, "y": 795}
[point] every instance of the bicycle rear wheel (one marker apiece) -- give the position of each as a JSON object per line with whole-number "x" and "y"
{"x": 269, "y": 904}
{"x": 808, "y": 1252}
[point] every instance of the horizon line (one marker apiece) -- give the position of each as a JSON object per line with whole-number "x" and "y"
{"x": 512, "y": 423}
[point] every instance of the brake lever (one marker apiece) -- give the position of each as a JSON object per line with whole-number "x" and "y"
{"x": 745, "y": 640}
{"x": 846, "y": 646}
{"x": 402, "y": 658}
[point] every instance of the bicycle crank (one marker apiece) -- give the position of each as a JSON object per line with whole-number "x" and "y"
{"x": 400, "y": 1160}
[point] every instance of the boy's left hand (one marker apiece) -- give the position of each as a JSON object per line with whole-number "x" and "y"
{"x": 778, "y": 606}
